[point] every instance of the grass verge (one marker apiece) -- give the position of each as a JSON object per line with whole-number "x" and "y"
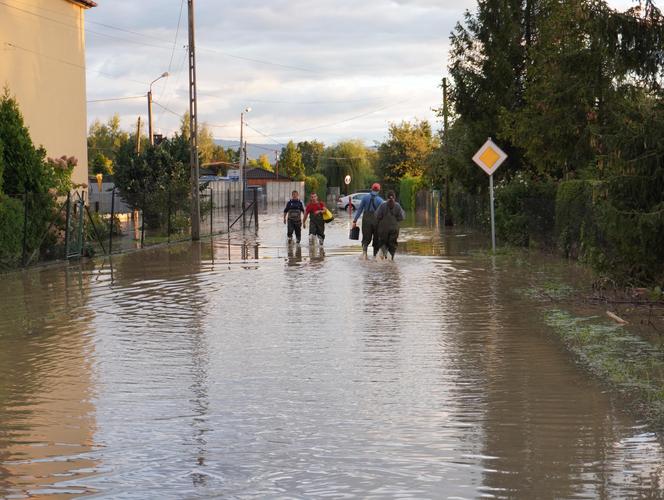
{"x": 624, "y": 360}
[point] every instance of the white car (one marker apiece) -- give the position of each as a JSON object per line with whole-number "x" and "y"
{"x": 354, "y": 199}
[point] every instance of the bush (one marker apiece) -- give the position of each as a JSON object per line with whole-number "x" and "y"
{"x": 408, "y": 188}
{"x": 625, "y": 245}
{"x": 574, "y": 216}
{"x": 525, "y": 211}
{"x": 316, "y": 183}
{"x": 11, "y": 231}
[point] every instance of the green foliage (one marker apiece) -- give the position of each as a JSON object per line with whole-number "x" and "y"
{"x": 11, "y": 231}
{"x": 627, "y": 246}
{"x": 348, "y": 158}
{"x": 104, "y": 141}
{"x": 570, "y": 90}
{"x": 618, "y": 357}
{"x": 407, "y": 192}
{"x": 525, "y": 211}
{"x": 32, "y": 182}
{"x": 154, "y": 179}
{"x": 311, "y": 153}
{"x": 262, "y": 162}
{"x": 574, "y": 216}
{"x": 290, "y": 162}
{"x": 406, "y": 151}
{"x": 316, "y": 183}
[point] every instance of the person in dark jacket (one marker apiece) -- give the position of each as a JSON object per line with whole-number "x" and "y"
{"x": 389, "y": 215}
{"x": 367, "y": 210}
{"x": 317, "y": 224}
{"x": 293, "y": 216}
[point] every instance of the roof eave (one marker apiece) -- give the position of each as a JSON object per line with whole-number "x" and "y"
{"x": 86, "y": 4}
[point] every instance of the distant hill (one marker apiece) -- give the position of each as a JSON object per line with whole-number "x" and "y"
{"x": 253, "y": 150}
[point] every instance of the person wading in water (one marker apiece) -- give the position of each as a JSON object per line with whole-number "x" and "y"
{"x": 293, "y": 215}
{"x": 317, "y": 224}
{"x": 389, "y": 215}
{"x": 368, "y": 207}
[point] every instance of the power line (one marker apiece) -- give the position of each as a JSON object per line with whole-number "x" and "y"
{"x": 265, "y": 135}
{"x": 283, "y": 134}
{"x": 69, "y": 63}
{"x": 182, "y": 115}
{"x": 170, "y": 62}
{"x": 117, "y": 98}
{"x": 126, "y": 40}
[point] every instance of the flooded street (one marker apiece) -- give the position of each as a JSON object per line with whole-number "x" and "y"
{"x": 258, "y": 371}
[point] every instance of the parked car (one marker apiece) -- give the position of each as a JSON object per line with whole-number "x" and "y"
{"x": 354, "y": 199}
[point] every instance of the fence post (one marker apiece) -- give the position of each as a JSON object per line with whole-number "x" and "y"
{"x": 110, "y": 230}
{"x": 81, "y": 221}
{"x": 228, "y": 210}
{"x": 168, "y": 224}
{"x": 256, "y": 209}
{"x": 25, "y": 227}
{"x": 67, "y": 224}
{"x": 211, "y": 213}
{"x": 143, "y": 222}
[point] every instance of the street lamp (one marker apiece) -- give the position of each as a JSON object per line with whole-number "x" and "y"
{"x": 243, "y": 151}
{"x": 243, "y": 157}
{"x": 163, "y": 75}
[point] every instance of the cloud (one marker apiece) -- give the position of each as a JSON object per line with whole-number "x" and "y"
{"x": 332, "y": 68}
{"x": 328, "y": 69}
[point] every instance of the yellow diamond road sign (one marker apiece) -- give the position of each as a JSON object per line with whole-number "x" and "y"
{"x": 489, "y": 157}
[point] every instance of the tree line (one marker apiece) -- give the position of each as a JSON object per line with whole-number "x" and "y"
{"x": 572, "y": 91}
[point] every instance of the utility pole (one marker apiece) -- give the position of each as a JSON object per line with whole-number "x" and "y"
{"x": 150, "y": 136}
{"x": 276, "y": 164}
{"x": 240, "y": 162}
{"x": 193, "y": 131}
{"x": 244, "y": 180}
{"x": 138, "y": 136}
{"x": 446, "y": 217}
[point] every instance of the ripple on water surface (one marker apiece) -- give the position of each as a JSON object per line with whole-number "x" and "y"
{"x": 182, "y": 373}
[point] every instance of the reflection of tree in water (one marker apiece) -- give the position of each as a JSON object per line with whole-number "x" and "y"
{"x": 179, "y": 268}
{"x": 45, "y": 379}
{"x": 547, "y": 430}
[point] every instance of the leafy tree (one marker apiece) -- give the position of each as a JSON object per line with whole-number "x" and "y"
{"x": 101, "y": 164}
{"x": 290, "y": 162}
{"x": 311, "y": 152}
{"x": 28, "y": 183}
{"x": 348, "y": 158}
{"x": 104, "y": 140}
{"x": 406, "y": 151}
{"x": 155, "y": 178}
{"x": 262, "y": 162}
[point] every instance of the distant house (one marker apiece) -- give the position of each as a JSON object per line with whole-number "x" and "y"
{"x": 261, "y": 177}
{"x": 277, "y": 187}
{"x": 42, "y": 62}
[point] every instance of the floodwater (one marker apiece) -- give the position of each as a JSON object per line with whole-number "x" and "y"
{"x": 258, "y": 371}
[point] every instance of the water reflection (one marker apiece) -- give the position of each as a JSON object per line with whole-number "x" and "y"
{"x": 245, "y": 367}
{"x": 47, "y": 385}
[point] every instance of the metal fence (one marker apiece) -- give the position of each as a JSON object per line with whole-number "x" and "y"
{"x": 40, "y": 229}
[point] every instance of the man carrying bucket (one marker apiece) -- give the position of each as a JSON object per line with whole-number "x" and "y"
{"x": 368, "y": 207}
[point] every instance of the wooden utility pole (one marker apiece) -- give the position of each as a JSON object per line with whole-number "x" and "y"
{"x": 193, "y": 131}
{"x": 446, "y": 215}
{"x": 138, "y": 136}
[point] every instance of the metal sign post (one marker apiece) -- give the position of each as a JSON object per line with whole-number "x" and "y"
{"x": 347, "y": 180}
{"x": 489, "y": 157}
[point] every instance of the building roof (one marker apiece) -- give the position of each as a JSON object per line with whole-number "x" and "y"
{"x": 86, "y": 4}
{"x": 260, "y": 173}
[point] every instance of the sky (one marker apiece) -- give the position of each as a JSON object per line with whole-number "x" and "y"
{"x": 320, "y": 69}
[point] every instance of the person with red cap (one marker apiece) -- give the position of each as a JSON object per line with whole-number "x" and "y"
{"x": 367, "y": 210}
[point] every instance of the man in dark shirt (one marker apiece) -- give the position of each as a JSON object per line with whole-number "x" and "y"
{"x": 293, "y": 216}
